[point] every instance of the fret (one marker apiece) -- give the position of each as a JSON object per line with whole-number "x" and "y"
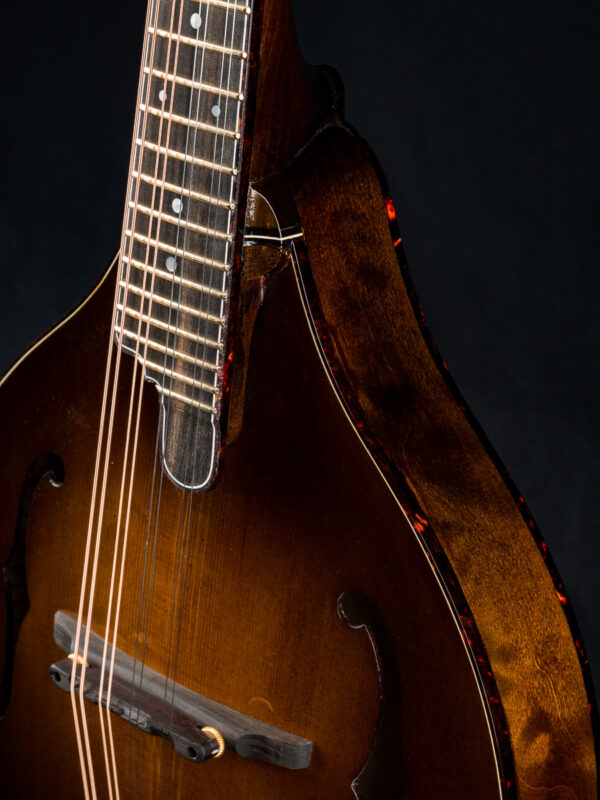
{"x": 178, "y": 376}
{"x": 197, "y": 338}
{"x": 196, "y": 63}
{"x": 166, "y": 245}
{"x": 203, "y": 126}
{"x": 165, "y": 301}
{"x": 195, "y": 104}
{"x": 191, "y": 84}
{"x": 224, "y": 4}
{"x": 200, "y": 162}
{"x": 211, "y": 148}
{"x": 170, "y": 352}
{"x": 189, "y": 89}
{"x": 213, "y": 216}
{"x": 195, "y": 42}
{"x": 181, "y": 305}
{"x": 215, "y": 22}
{"x": 180, "y": 221}
{"x": 177, "y": 251}
{"x": 171, "y": 304}
{"x": 189, "y": 400}
{"x": 165, "y": 308}
{"x": 184, "y": 192}
{"x": 167, "y": 276}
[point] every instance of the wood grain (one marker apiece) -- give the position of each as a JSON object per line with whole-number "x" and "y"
{"x": 409, "y": 408}
{"x": 299, "y": 516}
{"x": 235, "y": 592}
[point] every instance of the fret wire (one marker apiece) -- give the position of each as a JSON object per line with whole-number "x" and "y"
{"x": 215, "y": 48}
{"x": 193, "y": 312}
{"x": 203, "y": 126}
{"x": 200, "y": 162}
{"x": 176, "y": 251}
{"x": 167, "y": 276}
{"x": 193, "y": 195}
{"x": 168, "y": 351}
{"x": 165, "y": 326}
{"x": 189, "y": 400}
{"x": 165, "y": 301}
{"x": 203, "y": 87}
{"x": 225, "y": 4}
{"x": 150, "y": 212}
{"x": 178, "y": 376}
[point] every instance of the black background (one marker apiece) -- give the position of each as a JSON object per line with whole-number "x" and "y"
{"x": 485, "y": 118}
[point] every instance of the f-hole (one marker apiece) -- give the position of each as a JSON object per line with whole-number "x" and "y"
{"x": 383, "y": 775}
{"x": 14, "y": 571}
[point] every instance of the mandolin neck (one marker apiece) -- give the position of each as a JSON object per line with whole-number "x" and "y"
{"x": 181, "y": 217}
{"x": 208, "y": 120}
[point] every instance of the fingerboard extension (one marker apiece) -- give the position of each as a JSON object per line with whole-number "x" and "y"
{"x": 177, "y": 248}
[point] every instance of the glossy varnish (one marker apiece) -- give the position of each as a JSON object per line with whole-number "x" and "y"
{"x": 352, "y": 469}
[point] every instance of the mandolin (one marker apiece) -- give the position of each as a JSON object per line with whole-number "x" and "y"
{"x": 253, "y": 542}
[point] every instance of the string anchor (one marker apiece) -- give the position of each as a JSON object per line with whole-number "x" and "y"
{"x": 216, "y": 737}
{"x": 198, "y": 727}
{"x": 78, "y": 659}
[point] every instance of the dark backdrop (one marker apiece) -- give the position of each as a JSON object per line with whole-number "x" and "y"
{"x": 485, "y": 118}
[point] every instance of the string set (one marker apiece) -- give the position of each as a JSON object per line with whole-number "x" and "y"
{"x": 104, "y": 468}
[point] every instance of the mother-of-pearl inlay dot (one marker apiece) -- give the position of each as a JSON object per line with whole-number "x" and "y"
{"x": 195, "y": 21}
{"x": 171, "y": 263}
{"x": 177, "y": 205}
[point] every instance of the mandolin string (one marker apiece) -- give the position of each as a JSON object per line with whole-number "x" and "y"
{"x": 130, "y": 493}
{"x": 178, "y": 595}
{"x": 189, "y": 515}
{"x": 149, "y": 315}
{"x": 81, "y": 731}
{"x": 180, "y": 604}
{"x": 136, "y": 351}
{"x": 178, "y": 556}
{"x": 189, "y": 507}
{"x": 135, "y": 734}
{"x": 111, "y": 765}
{"x": 167, "y": 404}
{"x": 143, "y": 578}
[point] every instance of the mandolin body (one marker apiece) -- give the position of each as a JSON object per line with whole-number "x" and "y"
{"x": 362, "y": 574}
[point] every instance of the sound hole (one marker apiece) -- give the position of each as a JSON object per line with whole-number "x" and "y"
{"x": 383, "y": 775}
{"x": 14, "y": 570}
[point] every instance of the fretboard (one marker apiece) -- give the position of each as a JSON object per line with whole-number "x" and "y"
{"x": 180, "y": 219}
